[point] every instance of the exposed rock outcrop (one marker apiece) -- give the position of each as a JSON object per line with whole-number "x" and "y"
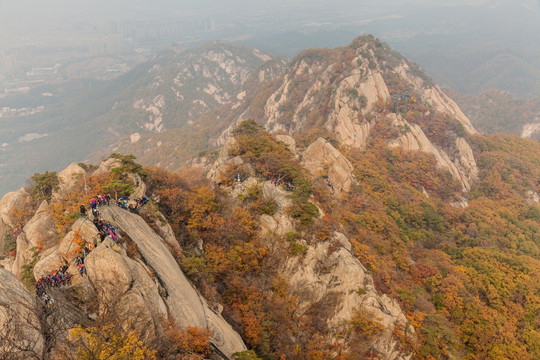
{"x": 528, "y": 130}
{"x": 324, "y": 273}
{"x": 289, "y": 141}
{"x": 444, "y": 104}
{"x": 184, "y": 304}
{"x": 344, "y": 120}
{"x": 61, "y": 254}
{"x": 68, "y": 178}
{"x": 223, "y": 161}
{"x": 23, "y": 256}
{"x": 322, "y": 159}
{"x": 40, "y": 230}
{"x": 39, "y": 233}
{"x": 3, "y": 230}
{"x": 18, "y": 319}
{"x": 532, "y": 197}
{"x": 11, "y": 201}
{"x": 128, "y": 284}
{"x": 463, "y": 167}
{"x": 106, "y": 166}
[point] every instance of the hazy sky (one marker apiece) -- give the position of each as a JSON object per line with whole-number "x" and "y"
{"x": 19, "y": 17}
{"x": 29, "y": 21}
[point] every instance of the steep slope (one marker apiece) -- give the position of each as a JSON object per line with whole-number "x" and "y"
{"x": 173, "y": 148}
{"x": 345, "y": 92}
{"x": 451, "y": 266}
{"x": 418, "y": 238}
{"x": 142, "y": 280}
{"x": 184, "y": 304}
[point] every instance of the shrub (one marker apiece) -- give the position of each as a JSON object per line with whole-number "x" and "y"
{"x": 10, "y": 242}
{"x": 118, "y": 188}
{"x": 128, "y": 165}
{"x": 27, "y": 276}
{"x": 43, "y": 185}
{"x": 245, "y": 355}
{"x": 297, "y": 248}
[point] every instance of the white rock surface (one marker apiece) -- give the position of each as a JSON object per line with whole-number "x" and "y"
{"x": 128, "y": 282}
{"x": 68, "y": 178}
{"x": 319, "y": 273}
{"x": 67, "y": 249}
{"x": 223, "y": 161}
{"x": 11, "y": 201}
{"x": 289, "y": 141}
{"x": 532, "y": 197}
{"x": 185, "y": 305}
{"x": 463, "y": 168}
{"x": 321, "y": 158}
{"x": 40, "y": 230}
{"x": 444, "y": 104}
{"x": 106, "y": 166}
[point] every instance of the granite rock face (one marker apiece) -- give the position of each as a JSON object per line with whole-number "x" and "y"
{"x": 322, "y": 159}
{"x": 330, "y": 271}
{"x": 18, "y": 318}
{"x": 184, "y": 304}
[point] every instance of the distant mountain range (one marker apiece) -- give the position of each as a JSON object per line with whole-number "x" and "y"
{"x": 170, "y": 91}
{"x": 177, "y": 104}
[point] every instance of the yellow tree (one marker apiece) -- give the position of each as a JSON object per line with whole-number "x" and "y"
{"x": 104, "y": 343}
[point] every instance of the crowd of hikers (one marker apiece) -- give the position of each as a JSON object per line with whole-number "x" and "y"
{"x": 55, "y": 278}
{"x": 134, "y": 208}
{"x": 123, "y": 202}
{"x": 278, "y": 182}
{"x": 61, "y": 276}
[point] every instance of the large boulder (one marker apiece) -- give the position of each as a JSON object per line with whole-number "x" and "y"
{"x": 67, "y": 249}
{"x": 23, "y": 256}
{"x": 19, "y": 337}
{"x": 38, "y": 234}
{"x": 106, "y": 166}
{"x": 3, "y": 230}
{"x": 287, "y": 140}
{"x": 127, "y": 284}
{"x": 322, "y": 159}
{"x": 330, "y": 269}
{"x": 223, "y": 161}
{"x": 184, "y": 303}
{"x": 49, "y": 260}
{"x": 83, "y": 228}
{"x": 11, "y": 201}
{"x": 40, "y": 230}
{"x": 68, "y": 178}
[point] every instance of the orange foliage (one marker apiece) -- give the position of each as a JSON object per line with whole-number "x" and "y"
{"x": 189, "y": 344}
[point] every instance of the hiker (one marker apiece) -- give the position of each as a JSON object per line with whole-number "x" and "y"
{"x": 81, "y": 269}
{"x": 95, "y": 213}
{"x": 137, "y": 181}
{"x": 82, "y": 210}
